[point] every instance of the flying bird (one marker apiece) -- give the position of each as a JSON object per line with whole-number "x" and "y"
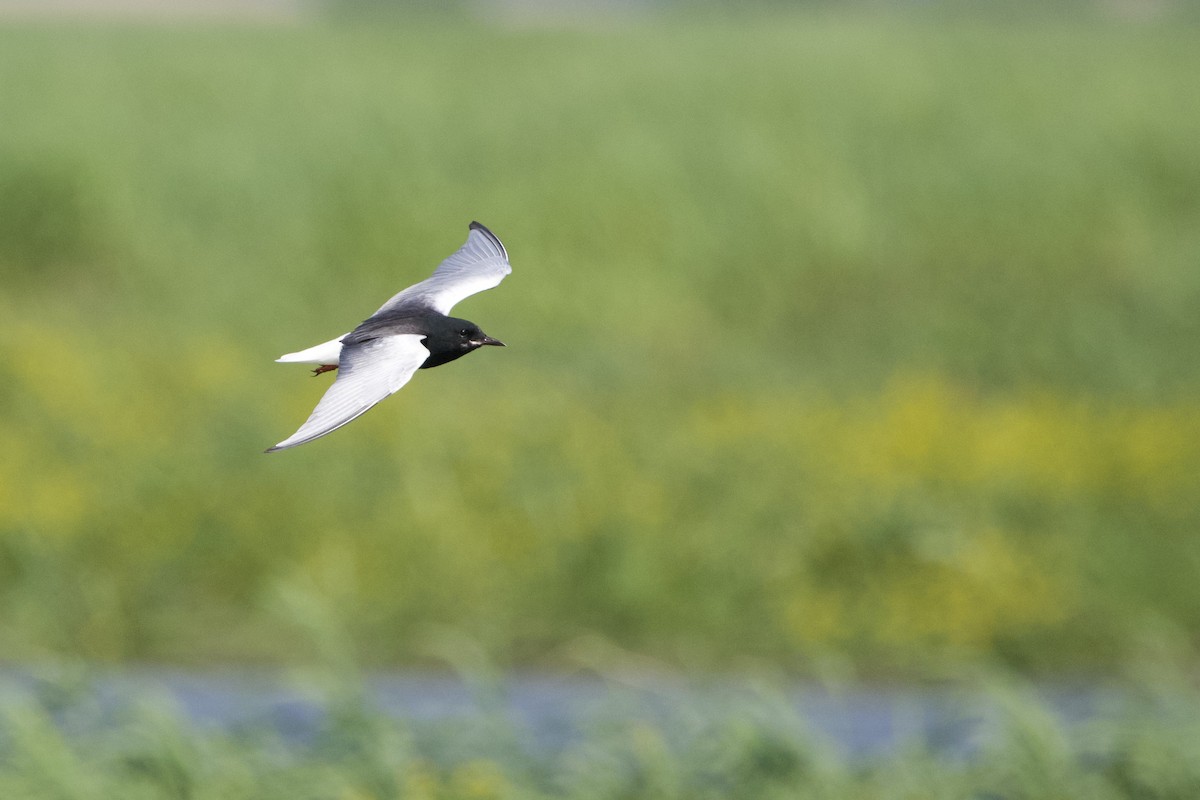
{"x": 411, "y": 331}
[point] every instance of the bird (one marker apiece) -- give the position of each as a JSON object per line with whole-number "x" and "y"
{"x": 411, "y": 331}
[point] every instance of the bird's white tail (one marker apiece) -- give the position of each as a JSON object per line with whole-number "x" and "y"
{"x": 325, "y": 353}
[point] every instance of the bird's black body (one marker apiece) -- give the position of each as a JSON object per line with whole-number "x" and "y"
{"x": 446, "y": 338}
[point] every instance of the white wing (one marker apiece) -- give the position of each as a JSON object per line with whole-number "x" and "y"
{"x": 479, "y": 264}
{"x": 367, "y": 373}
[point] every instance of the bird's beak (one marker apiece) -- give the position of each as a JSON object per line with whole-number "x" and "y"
{"x": 489, "y": 340}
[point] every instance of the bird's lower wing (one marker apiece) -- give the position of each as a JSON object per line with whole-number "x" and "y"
{"x": 367, "y": 372}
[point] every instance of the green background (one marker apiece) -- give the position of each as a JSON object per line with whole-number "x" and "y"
{"x": 852, "y": 345}
{"x": 841, "y": 341}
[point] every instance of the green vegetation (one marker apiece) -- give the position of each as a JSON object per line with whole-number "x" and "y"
{"x": 842, "y": 344}
{"x": 853, "y": 344}
{"x": 58, "y": 742}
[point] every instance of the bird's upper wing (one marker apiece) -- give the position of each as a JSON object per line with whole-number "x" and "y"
{"x": 367, "y": 372}
{"x": 479, "y": 264}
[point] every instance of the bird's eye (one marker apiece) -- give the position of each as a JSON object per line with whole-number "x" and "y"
{"x": 464, "y": 332}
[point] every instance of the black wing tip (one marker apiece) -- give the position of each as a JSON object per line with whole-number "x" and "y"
{"x": 479, "y": 226}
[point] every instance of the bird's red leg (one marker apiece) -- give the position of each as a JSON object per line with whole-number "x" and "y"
{"x": 324, "y": 368}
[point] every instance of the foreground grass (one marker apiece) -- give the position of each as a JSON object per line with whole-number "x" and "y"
{"x": 836, "y": 342}
{"x": 61, "y": 741}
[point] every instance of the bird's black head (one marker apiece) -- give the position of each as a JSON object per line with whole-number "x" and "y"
{"x": 453, "y": 338}
{"x": 470, "y": 337}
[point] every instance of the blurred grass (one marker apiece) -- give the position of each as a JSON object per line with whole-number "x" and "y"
{"x": 63, "y": 740}
{"x": 848, "y": 341}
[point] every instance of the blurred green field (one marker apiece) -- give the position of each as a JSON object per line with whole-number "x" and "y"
{"x": 845, "y": 343}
